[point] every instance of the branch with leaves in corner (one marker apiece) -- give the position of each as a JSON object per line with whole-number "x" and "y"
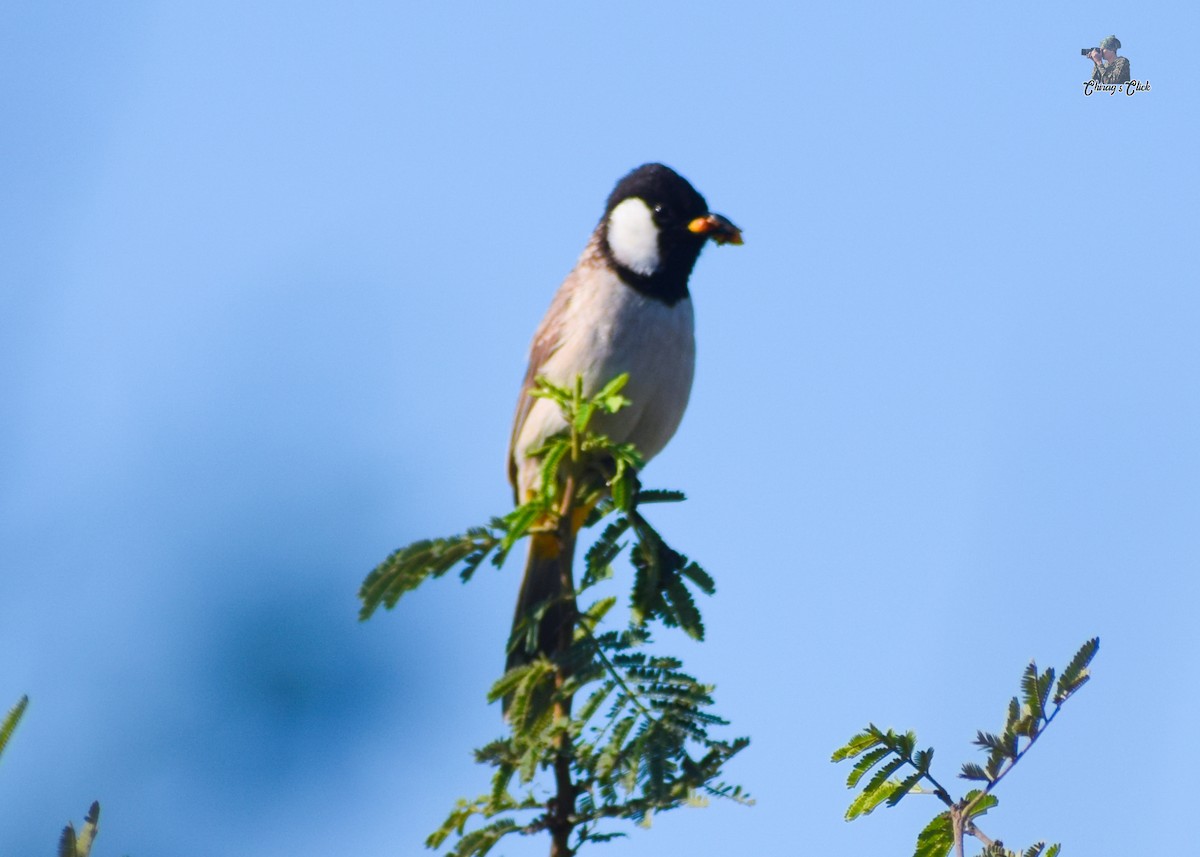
{"x": 70, "y": 844}
{"x": 890, "y": 753}
{"x": 640, "y": 740}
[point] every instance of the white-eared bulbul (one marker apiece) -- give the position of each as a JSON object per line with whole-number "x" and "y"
{"x": 625, "y": 308}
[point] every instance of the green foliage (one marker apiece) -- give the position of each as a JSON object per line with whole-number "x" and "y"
{"x": 1028, "y": 716}
{"x": 890, "y": 753}
{"x": 71, "y": 844}
{"x": 408, "y": 568}
{"x": 1076, "y": 673}
{"x": 9, "y": 725}
{"x": 622, "y": 731}
{"x": 640, "y": 741}
{"x": 1038, "y": 849}
{"x": 895, "y": 751}
{"x": 937, "y": 838}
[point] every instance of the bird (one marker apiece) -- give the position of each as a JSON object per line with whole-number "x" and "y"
{"x": 624, "y": 308}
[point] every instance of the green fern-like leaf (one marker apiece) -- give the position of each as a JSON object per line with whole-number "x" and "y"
{"x": 700, "y": 577}
{"x": 1044, "y": 683}
{"x": 972, "y": 771}
{"x": 1013, "y": 716}
{"x": 601, "y": 554}
{"x": 583, "y": 416}
{"x": 623, "y": 486}
{"x": 409, "y": 567}
{"x": 509, "y": 682}
{"x": 863, "y": 741}
{"x": 995, "y": 764}
{"x": 479, "y": 842}
{"x": 11, "y": 720}
{"x": 456, "y": 821}
{"x": 588, "y": 710}
{"x": 71, "y": 844}
{"x": 1030, "y": 694}
{"x": 500, "y": 780}
{"x": 659, "y": 591}
{"x": 66, "y": 842}
{"x": 681, "y": 610}
{"x": 937, "y": 838}
{"x": 585, "y": 835}
{"x": 612, "y": 754}
{"x": 543, "y": 388}
{"x": 868, "y": 761}
{"x": 1076, "y": 673}
{"x": 734, "y": 793}
{"x": 518, "y": 522}
{"x": 879, "y": 780}
{"x": 868, "y": 800}
{"x": 91, "y": 824}
{"x": 551, "y": 460}
{"x": 922, "y": 759}
{"x": 609, "y": 396}
{"x": 988, "y": 740}
{"x": 657, "y": 765}
{"x": 909, "y": 783}
{"x": 657, "y": 495}
{"x": 529, "y": 691}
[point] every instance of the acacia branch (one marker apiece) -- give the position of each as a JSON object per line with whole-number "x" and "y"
{"x": 978, "y": 834}
{"x": 562, "y": 808}
{"x": 1021, "y": 753}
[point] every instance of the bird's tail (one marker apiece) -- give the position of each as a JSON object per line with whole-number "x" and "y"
{"x": 542, "y": 612}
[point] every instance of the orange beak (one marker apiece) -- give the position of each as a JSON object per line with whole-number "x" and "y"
{"x": 717, "y": 228}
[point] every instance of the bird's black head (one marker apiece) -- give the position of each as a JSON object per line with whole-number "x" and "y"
{"x": 654, "y": 226}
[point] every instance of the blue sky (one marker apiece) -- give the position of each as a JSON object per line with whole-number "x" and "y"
{"x": 268, "y": 273}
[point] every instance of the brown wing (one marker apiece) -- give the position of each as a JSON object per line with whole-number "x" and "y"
{"x": 546, "y": 341}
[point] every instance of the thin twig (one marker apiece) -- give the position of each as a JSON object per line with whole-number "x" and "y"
{"x": 978, "y": 834}
{"x": 939, "y": 790}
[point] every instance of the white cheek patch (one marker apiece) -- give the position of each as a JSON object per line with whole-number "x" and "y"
{"x": 633, "y": 236}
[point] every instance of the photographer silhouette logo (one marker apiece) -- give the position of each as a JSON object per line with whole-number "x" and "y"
{"x": 1110, "y": 73}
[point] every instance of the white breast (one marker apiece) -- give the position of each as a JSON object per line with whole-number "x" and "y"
{"x": 610, "y": 328}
